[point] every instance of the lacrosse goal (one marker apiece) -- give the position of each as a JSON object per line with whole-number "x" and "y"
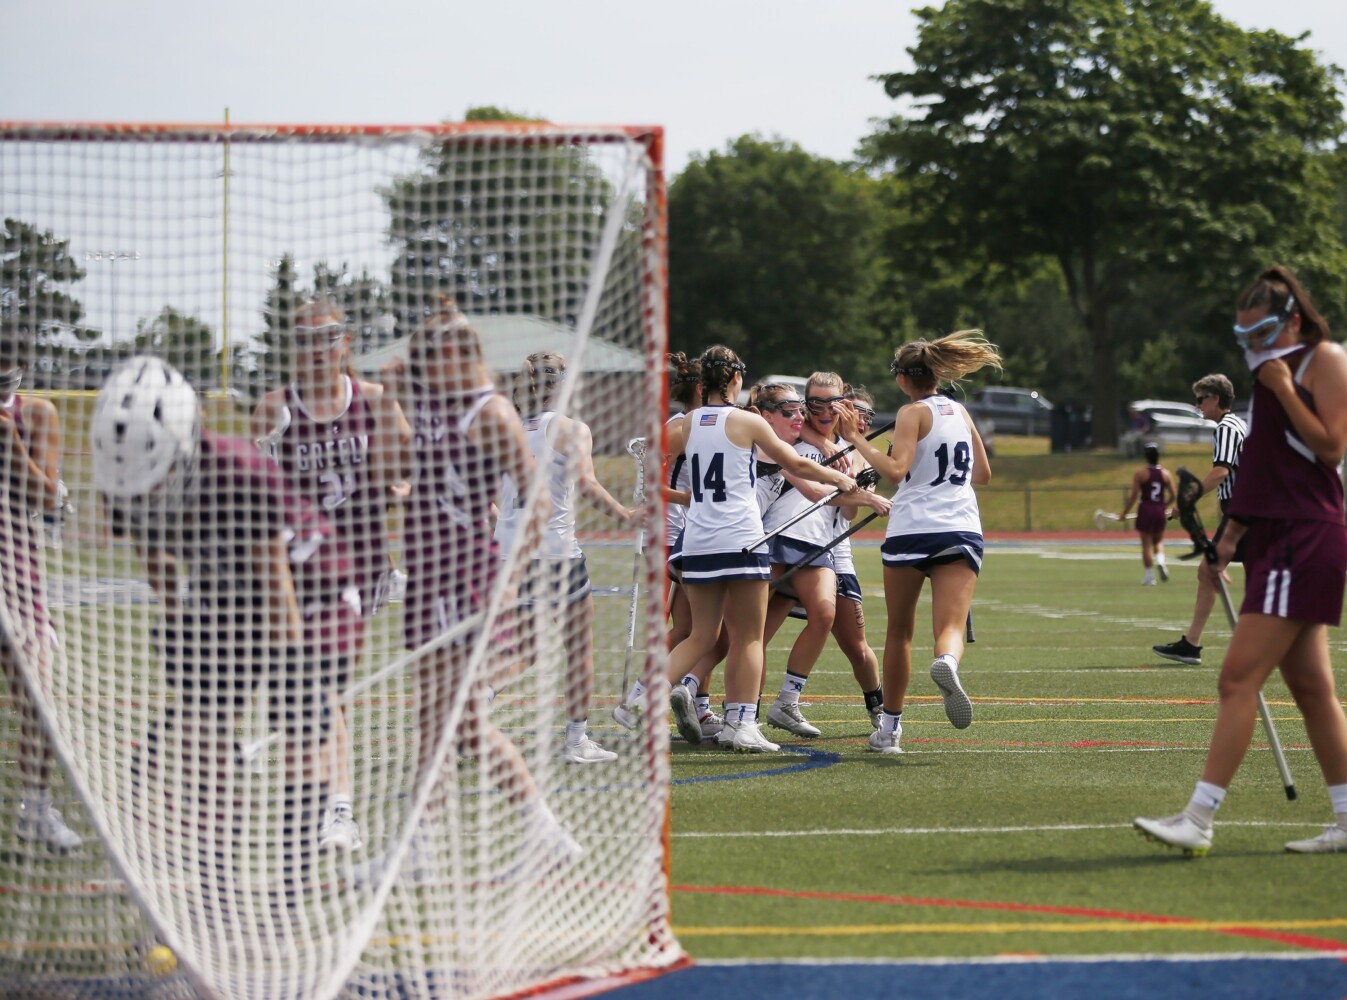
{"x": 311, "y": 732}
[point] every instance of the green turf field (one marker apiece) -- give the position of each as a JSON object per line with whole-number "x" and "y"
{"x": 1012, "y": 836}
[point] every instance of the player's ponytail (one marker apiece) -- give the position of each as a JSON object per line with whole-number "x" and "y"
{"x": 929, "y": 363}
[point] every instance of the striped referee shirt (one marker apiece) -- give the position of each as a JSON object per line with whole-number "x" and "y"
{"x": 1227, "y": 442}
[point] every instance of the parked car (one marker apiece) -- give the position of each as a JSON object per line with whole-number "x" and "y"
{"x": 1015, "y": 411}
{"x": 1165, "y": 422}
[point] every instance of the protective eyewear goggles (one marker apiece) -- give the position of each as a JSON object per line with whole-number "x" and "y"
{"x": 1257, "y": 336}
{"x": 785, "y": 407}
{"x": 819, "y": 405}
{"x": 309, "y": 338}
{"x": 863, "y": 412}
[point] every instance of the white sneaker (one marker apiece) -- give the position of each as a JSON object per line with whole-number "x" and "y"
{"x": 684, "y": 708}
{"x": 627, "y": 716}
{"x": 1163, "y": 570}
{"x": 49, "y": 828}
{"x": 876, "y": 716}
{"x": 586, "y": 752}
{"x": 1148, "y": 580}
{"x": 788, "y": 717}
{"x": 748, "y": 738}
{"x": 882, "y": 742}
{"x": 711, "y": 725}
{"x": 397, "y": 586}
{"x": 725, "y": 738}
{"x": 1177, "y": 831}
{"x": 958, "y": 707}
{"x": 338, "y": 832}
{"x": 1332, "y": 841}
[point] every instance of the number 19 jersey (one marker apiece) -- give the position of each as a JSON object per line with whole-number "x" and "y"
{"x": 937, "y": 493}
{"x": 723, "y": 515}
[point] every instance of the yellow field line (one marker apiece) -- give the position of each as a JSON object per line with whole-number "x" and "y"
{"x": 1018, "y": 927}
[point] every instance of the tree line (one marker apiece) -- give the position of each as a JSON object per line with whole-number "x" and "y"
{"x": 1090, "y": 181}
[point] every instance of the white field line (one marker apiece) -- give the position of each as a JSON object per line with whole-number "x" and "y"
{"x": 945, "y": 831}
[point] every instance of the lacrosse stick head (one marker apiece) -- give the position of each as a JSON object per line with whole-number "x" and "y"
{"x": 867, "y": 479}
{"x": 1103, "y": 521}
{"x": 636, "y": 449}
{"x": 1189, "y": 492}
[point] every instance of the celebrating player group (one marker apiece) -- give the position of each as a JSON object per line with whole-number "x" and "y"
{"x": 760, "y": 503}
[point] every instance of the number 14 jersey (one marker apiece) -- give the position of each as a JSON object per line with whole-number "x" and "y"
{"x": 937, "y": 493}
{"x": 723, "y": 515}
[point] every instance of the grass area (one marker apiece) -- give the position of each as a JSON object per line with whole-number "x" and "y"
{"x": 1012, "y": 836}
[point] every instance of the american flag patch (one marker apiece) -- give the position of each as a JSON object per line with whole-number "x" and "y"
{"x": 709, "y": 419}
{"x": 946, "y": 409}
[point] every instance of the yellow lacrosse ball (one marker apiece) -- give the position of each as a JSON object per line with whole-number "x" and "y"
{"x": 161, "y": 960}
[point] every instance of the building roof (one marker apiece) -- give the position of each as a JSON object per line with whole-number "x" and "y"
{"x": 508, "y": 339}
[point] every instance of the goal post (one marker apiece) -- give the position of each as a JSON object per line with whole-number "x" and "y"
{"x": 317, "y": 527}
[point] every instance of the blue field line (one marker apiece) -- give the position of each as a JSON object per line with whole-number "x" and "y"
{"x": 1239, "y": 977}
{"x": 813, "y": 760}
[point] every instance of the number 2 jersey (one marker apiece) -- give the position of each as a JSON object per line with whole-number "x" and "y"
{"x": 723, "y": 515}
{"x": 937, "y": 493}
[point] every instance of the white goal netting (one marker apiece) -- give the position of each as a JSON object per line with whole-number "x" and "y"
{"x": 322, "y": 560}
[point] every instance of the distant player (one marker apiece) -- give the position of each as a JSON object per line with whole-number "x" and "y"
{"x": 253, "y": 580}
{"x": 30, "y": 452}
{"x": 562, "y": 447}
{"x": 344, "y": 445}
{"x": 1154, "y": 485}
{"x": 1215, "y": 395}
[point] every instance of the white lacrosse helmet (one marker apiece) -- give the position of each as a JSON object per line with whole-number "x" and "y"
{"x": 145, "y": 430}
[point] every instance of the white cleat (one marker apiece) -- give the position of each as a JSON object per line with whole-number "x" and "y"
{"x": 789, "y": 718}
{"x": 1177, "y": 831}
{"x": 882, "y": 742}
{"x": 627, "y": 716}
{"x": 684, "y": 708}
{"x": 711, "y": 725}
{"x": 586, "y": 752}
{"x": 47, "y": 827}
{"x": 958, "y": 707}
{"x": 397, "y": 586}
{"x": 1163, "y": 570}
{"x": 338, "y": 832}
{"x": 748, "y": 738}
{"x": 876, "y": 716}
{"x": 1332, "y": 841}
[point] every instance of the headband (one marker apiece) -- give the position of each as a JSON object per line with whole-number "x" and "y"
{"x": 912, "y": 371}
{"x": 737, "y": 366}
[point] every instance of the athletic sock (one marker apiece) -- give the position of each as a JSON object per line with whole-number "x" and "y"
{"x": 791, "y": 688}
{"x": 1337, "y": 794}
{"x": 690, "y": 682}
{"x": 739, "y": 712}
{"x": 873, "y": 699}
{"x": 340, "y": 804}
{"x": 948, "y": 658}
{"x": 36, "y": 803}
{"x": 703, "y": 705}
{"x": 575, "y": 733}
{"x": 890, "y": 721}
{"x": 1207, "y": 798}
{"x": 636, "y": 696}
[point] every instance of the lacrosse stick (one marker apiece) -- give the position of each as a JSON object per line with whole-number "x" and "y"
{"x": 865, "y": 479}
{"x": 829, "y": 460}
{"x": 636, "y": 449}
{"x": 1190, "y": 490}
{"x": 1104, "y": 521}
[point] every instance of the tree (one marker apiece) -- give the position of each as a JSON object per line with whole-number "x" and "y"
{"x": 33, "y": 266}
{"x": 272, "y": 355}
{"x": 183, "y": 341}
{"x": 774, "y": 253}
{"x": 1132, "y": 142}
{"x": 497, "y": 224}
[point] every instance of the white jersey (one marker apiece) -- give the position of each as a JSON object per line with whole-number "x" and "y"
{"x": 769, "y": 485}
{"x": 937, "y": 494}
{"x": 723, "y": 516}
{"x": 815, "y": 529}
{"x": 679, "y": 479}
{"x": 843, "y": 562}
{"x": 558, "y": 541}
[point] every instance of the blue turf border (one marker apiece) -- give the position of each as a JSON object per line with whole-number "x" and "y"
{"x": 1240, "y": 978}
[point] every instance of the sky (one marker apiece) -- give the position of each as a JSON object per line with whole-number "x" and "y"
{"x": 708, "y": 71}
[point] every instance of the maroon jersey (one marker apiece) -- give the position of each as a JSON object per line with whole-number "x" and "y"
{"x": 20, "y": 552}
{"x": 1151, "y": 510}
{"x": 239, "y": 499}
{"x": 449, "y": 553}
{"x": 328, "y": 462}
{"x": 1279, "y": 475}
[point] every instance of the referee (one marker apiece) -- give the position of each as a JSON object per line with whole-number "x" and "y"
{"x": 1215, "y": 395}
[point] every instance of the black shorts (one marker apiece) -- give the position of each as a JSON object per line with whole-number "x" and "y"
{"x": 556, "y": 582}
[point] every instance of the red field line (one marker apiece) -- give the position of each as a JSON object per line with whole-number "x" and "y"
{"x": 1281, "y": 937}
